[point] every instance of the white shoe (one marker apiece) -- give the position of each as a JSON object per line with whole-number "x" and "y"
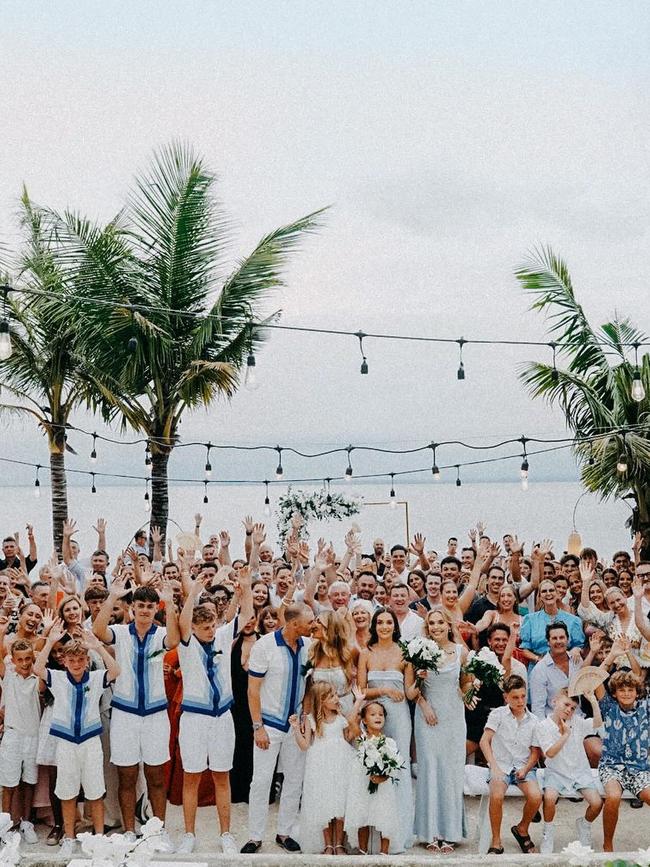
{"x": 186, "y": 846}
{"x": 164, "y": 842}
{"x": 546, "y": 846}
{"x": 66, "y": 849}
{"x": 29, "y": 834}
{"x": 229, "y": 844}
{"x": 130, "y": 837}
{"x": 583, "y": 830}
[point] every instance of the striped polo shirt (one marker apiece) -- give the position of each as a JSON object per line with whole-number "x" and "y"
{"x": 283, "y": 682}
{"x": 205, "y": 666}
{"x": 75, "y": 714}
{"x": 140, "y": 687}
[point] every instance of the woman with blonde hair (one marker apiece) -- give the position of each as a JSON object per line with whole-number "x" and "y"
{"x": 361, "y": 612}
{"x": 333, "y": 656}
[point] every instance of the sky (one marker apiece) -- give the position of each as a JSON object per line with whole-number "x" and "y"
{"x": 448, "y": 139}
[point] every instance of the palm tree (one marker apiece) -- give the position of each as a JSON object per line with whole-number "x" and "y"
{"x": 43, "y": 375}
{"x": 163, "y": 330}
{"x": 594, "y": 390}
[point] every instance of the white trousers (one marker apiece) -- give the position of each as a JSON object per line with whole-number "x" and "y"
{"x": 282, "y": 746}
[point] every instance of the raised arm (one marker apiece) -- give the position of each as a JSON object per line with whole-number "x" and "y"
{"x": 224, "y": 548}
{"x": 116, "y": 591}
{"x": 33, "y": 553}
{"x": 514, "y": 564}
{"x": 258, "y": 538}
{"x": 191, "y": 598}
{"x": 248, "y": 537}
{"x": 640, "y": 621}
{"x": 171, "y": 617}
{"x": 91, "y": 642}
{"x": 468, "y": 594}
{"x": 55, "y": 634}
{"x": 156, "y": 538}
{"x": 69, "y": 529}
{"x": 100, "y": 529}
{"x": 417, "y": 547}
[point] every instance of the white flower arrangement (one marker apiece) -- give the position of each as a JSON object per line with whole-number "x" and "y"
{"x": 485, "y": 666}
{"x": 424, "y": 654}
{"x": 318, "y": 506}
{"x": 379, "y": 757}
{"x": 118, "y": 851}
{"x": 579, "y": 855}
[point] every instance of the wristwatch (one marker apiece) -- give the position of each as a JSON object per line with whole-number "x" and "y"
{"x": 258, "y": 726}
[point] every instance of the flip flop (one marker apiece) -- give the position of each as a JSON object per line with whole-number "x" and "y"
{"x": 525, "y": 843}
{"x": 433, "y": 846}
{"x": 446, "y": 847}
{"x": 493, "y": 850}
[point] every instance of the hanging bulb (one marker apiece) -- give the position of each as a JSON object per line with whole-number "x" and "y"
{"x": 524, "y": 483}
{"x": 93, "y": 489}
{"x": 348, "y": 469}
{"x": 267, "y": 507}
{"x": 364, "y": 365}
{"x": 555, "y": 374}
{"x": 93, "y": 454}
{"x": 591, "y": 460}
{"x": 279, "y": 472}
{"x": 5, "y": 338}
{"x": 524, "y": 468}
{"x": 436, "y": 473}
{"x": 250, "y": 377}
{"x": 393, "y": 498}
{"x": 621, "y": 466}
{"x": 208, "y": 465}
{"x": 132, "y": 345}
{"x": 638, "y": 391}
{"x": 37, "y": 486}
{"x": 328, "y": 498}
{"x": 458, "y": 481}
{"x": 364, "y": 361}
{"x": 461, "y": 367}
{"x": 147, "y": 501}
{"x": 147, "y": 460}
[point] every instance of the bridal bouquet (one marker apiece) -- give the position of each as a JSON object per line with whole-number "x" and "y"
{"x": 485, "y": 666}
{"x": 423, "y": 654}
{"x": 379, "y": 757}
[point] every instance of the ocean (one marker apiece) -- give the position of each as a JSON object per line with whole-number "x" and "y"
{"x": 437, "y": 510}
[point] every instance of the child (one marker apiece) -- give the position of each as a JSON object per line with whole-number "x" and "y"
{"x": 561, "y": 737}
{"x": 624, "y": 763}
{"x": 327, "y": 767}
{"x": 20, "y": 693}
{"x": 509, "y": 745}
{"x": 77, "y": 726}
{"x": 378, "y": 810}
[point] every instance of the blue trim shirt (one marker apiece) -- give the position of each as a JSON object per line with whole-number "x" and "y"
{"x": 140, "y": 687}
{"x": 283, "y": 682}
{"x": 75, "y": 714}
{"x": 205, "y": 666}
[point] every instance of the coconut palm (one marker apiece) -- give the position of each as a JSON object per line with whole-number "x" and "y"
{"x": 43, "y": 377}
{"x": 593, "y": 388}
{"x": 164, "y": 331}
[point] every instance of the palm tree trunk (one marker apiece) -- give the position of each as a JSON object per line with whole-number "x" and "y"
{"x": 59, "y": 496}
{"x": 159, "y": 494}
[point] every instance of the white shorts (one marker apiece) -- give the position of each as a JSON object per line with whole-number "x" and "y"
{"x": 206, "y": 742}
{"x": 18, "y": 758}
{"x": 79, "y": 765}
{"x": 136, "y": 739}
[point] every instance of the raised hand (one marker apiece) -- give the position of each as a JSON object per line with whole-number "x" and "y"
{"x": 69, "y": 528}
{"x": 637, "y": 542}
{"x": 586, "y": 572}
{"x": 118, "y": 587}
{"x": 167, "y": 592}
{"x": 481, "y": 527}
{"x": 224, "y": 538}
{"x": 303, "y": 553}
{"x": 100, "y": 526}
{"x": 90, "y": 640}
{"x": 48, "y": 619}
{"x": 156, "y": 535}
{"x": 197, "y": 519}
{"x": 417, "y": 545}
{"x": 259, "y": 534}
{"x": 244, "y": 577}
{"x": 517, "y": 547}
{"x": 57, "y": 631}
{"x": 637, "y": 587}
{"x": 248, "y": 524}
{"x": 297, "y": 521}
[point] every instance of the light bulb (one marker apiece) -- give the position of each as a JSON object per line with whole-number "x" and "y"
{"x": 393, "y": 500}
{"x": 524, "y": 469}
{"x": 436, "y": 473}
{"x": 37, "y": 489}
{"x": 267, "y": 507}
{"x": 524, "y": 483}
{"x": 93, "y": 490}
{"x": 208, "y": 469}
{"x": 348, "y": 474}
{"x": 93, "y": 457}
{"x": 147, "y": 501}
{"x": 621, "y": 466}
{"x": 250, "y": 377}
{"x": 132, "y": 345}
{"x": 5, "y": 341}
{"x": 364, "y": 365}
{"x": 205, "y": 499}
{"x": 279, "y": 472}
{"x": 458, "y": 483}
{"x": 638, "y": 391}
{"x": 461, "y": 371}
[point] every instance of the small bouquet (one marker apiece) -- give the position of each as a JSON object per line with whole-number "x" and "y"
{"x": 485, "y": 666}
{"x": 379, "y": 757}
{"x": 422, "y": 653}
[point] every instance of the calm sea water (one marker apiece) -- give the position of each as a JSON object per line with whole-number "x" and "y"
{"x": 437, "y": 510}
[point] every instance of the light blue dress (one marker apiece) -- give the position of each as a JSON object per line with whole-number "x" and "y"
{"x": 439, "y": 805}
{"x": 398, "y": 727}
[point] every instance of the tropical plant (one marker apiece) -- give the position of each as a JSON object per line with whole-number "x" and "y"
{"x": 44, "y": 377}
{"x": 163, "y": 330}
{"x": 594, "y": 388}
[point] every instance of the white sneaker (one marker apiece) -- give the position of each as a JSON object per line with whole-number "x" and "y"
{"x": 29, "y": 834}
{"x": 186, "y": 846}
{"x": 164, "y": 842}
{"x": 229, "y": 844}
{"x": 66, "y": 849}
{"x": 130, "y": 837}
{"x": 583, "y": 830}
{"x": 546, "y": 846}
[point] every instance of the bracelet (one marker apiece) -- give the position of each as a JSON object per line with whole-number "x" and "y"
{"x": 249, "y": 534}
{"x": 257, "y": 726}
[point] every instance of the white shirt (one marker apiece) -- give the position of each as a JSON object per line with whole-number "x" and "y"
{"x": 572, "y": 758}
{"x": 21, "y": 703}
{"x": 207, "y": 683}
{"x": 411, "y": 626}
{"x": 283, "y": 682}
{"x": 513, "y": 737}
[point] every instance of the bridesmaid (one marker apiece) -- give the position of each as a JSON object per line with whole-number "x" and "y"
{"x": 242, "y": 772}
{"x": 440, "y": 742}
{"x": 333, "y": 656}
{"x": 383, "y": 675}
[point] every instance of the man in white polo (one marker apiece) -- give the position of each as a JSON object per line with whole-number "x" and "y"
{"x": 276, "y": 683}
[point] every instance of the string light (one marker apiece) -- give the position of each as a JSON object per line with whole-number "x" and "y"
{"x": 621, "y": 464}
{"x": 434, "y": 469}
{"x": 205, "y": 492}
{"x": 93, "y": 454}
{"x": 279, "y": 472}
{"x": 638, "y": 391}
{"x": 93, "y": 489}
{"x": 461, "y": 367}
{"x": 555, "y": 373}
{"x": 591, "y": 460}
{"x": 208, "y": 465}
{"x": 524, "y": 464}
{"x": 5, "y": 338}
{"x": 364, "y": 360}
{"x": 147, "y": 459}
{"x": 250, "y": 377}
{"x": 328, "y": 498}
{"x": 147, "y": 500}
{"x": 393, "y": 498}
{"x": 458, "y": 481}
{"x": 37, "y": 483}
{"x": 348, "y": 469}
{"x": 267, "y": 501}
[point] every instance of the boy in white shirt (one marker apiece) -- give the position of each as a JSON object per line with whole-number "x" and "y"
{"x": 560, "y": 737}
{"x": 509, "y": 745}
{"x": 77, "y": 726}
{"x": 207, "y": 732}
{"x": 20, "y": 696}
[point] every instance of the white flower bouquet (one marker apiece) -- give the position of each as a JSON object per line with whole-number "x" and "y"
{"x": 379, "y": 757}
{"x": 486, "y": 667}
{"x": 424, "y": 654}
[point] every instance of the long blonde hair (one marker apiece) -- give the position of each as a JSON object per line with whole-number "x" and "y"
{"x": 337, "y": 646}
{"x": 319, "y": 694}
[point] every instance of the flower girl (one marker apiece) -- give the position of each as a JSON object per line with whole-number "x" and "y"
{"x": 372, "y": 793}
{"x": 329, "y": 756}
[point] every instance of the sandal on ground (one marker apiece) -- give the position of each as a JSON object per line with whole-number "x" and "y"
{"x": 495, "y": 850}
{"x": 328, "y": 850}
{"x": 446, "y": 847}
{"x": 525, "y": 843}
{"x": 341, "y": 847}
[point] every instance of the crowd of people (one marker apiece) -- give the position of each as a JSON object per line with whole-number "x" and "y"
{"x": 196, "y": 676}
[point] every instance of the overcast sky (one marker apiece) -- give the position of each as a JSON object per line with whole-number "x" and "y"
{"x": 449, "y": 139}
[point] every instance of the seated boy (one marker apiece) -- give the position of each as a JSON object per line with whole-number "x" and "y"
{"x": 561, "y": 738}
{"x": 77, "y": 725}
{"x": 509, "y": 745}
{"x": 624, "y": 763}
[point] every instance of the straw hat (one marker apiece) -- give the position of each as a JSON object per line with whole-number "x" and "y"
{"x": 587, "y": 680}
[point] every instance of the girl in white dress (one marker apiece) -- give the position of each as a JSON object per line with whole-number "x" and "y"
{"x": 327, "y": 765}
{"x": 379, "y": 809}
